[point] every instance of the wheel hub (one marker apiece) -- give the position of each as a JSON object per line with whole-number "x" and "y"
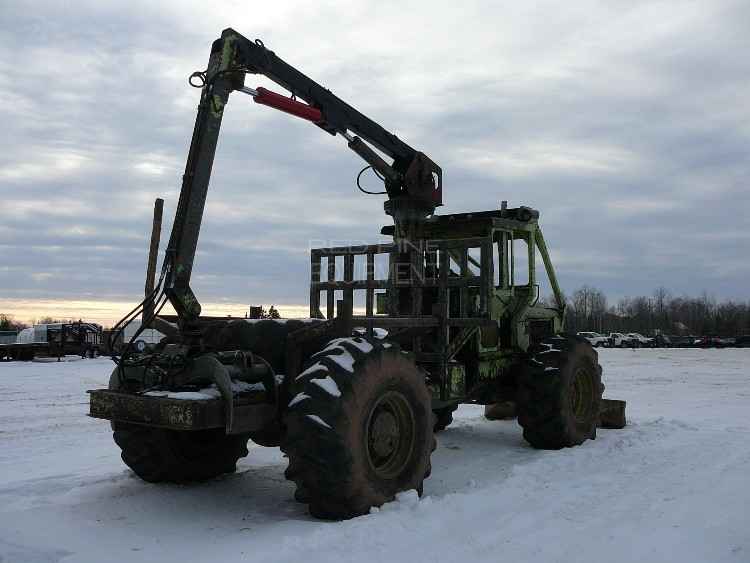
{"x": 582, "y": 395}
{"x": 385, "y": 434}
{"x": 391, "y": 430}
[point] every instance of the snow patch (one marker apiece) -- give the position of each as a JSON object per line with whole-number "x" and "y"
{"x": 315, "y": 418}
{"x": 211, "y": 392}
{"x": 404, "y": 501}
{"x": 681, "y": 462}
{"x": 345, "y": 361}
{"x": 244, "y": 386}
{"x": 328, "y": 385}
{"x": 359, "y": 343}
{"x": 202, "y": 395}
{"x": 317, "y": 366}
{"x": 51, "y": 359}
{"x": 379, "y": 333}
{"x": 298, "y": 398}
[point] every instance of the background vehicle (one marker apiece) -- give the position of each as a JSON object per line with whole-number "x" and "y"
{"x": 354, "y": 411}
{"x": 620, "y": 340}
{"x": 742, "y": 341}
{"x": 639, "y": 340}
{"x": 8, "y": 336}
{"x": 682, "y": 341}
{"x": 147, "y": 338}
{"x": 54, "y": 339}
{"x": 663, "y": 341}
{"x": 713, "y": 342}
{"x": 595, "y": 339}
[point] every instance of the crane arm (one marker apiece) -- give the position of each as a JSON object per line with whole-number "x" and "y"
{"x": 411, "y": 172}
{"x": 413, "y": 182}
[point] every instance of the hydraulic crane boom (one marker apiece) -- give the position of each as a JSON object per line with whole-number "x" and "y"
{"x": 412, "y": 181}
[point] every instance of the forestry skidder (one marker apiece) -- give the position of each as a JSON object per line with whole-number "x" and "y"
{"x": 353, "y": 400}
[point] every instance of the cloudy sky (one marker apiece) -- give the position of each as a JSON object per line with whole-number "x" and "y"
{"x": 627, "y": 124}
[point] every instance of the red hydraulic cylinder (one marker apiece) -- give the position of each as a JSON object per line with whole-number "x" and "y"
{"x": 288, "y": 105}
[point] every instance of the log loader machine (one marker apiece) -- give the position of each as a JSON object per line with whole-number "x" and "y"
{"x": 353, "y": 398}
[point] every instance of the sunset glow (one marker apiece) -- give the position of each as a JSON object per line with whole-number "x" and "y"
{"x": 107, "y": 313}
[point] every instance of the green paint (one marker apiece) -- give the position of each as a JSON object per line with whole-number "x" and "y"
{"x": 217, "y": 107}
{"x": 492, "y": 364}
{"x": 457, "y": 379}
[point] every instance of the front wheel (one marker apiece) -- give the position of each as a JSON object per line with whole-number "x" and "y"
{"x": 359, "y": 428}
{"x": 560, "y": 393}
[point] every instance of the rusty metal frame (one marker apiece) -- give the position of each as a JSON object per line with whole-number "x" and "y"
{"x": 424, "y": 264}
{"x": 178, "y": 414}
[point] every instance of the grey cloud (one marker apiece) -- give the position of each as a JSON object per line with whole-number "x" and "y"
{"x": 627, "y": 128}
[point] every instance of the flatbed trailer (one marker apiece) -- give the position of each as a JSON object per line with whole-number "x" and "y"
{"x": 56, "y": 340}
{"x": 24, "y": 352}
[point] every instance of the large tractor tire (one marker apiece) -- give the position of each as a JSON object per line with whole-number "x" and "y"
{"x": 560, "y": 392}
{"x": 160, "y": 455}
{"x": 157, "y": 455}
{"x": 359, "y": 428}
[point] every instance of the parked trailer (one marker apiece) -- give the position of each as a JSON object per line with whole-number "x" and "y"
{"x": 8, "y": 336}
{"x": 53, "y": 340}
{"x": 115, "y": 343}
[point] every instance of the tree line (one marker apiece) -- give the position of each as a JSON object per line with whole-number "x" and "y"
{"x": 589, "y": 310}
{"x": 7, "y": 322}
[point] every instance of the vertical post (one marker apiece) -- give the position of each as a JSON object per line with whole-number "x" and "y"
{"x": 392, "y": 304}
{"x": 464, "y": 289}
{"x": 153, "y": 252}
{"x": 487, "y": 269}
{"x": 417, "y": 281}
{"x": 505, "y": 258}
{"x": 331, "y": 259}
{"x": 314, "y": 290}
{"x": 370, "y": 278}
{"x": 443, "y": 293}
{"x": 348, "y": 280}
{"x": 343, "y": 321}
{"x": 443, "y": 307}
{"x": 62, "y": 338}
{"x": 417, "y": 278}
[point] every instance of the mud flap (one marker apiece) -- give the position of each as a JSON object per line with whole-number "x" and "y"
{"x": 612, "y": 414}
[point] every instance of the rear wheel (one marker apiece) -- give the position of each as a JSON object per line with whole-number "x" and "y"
{"x": 157, "y": 454}
{"x": 560, "y": 393}
{"x": 359, "y": 428}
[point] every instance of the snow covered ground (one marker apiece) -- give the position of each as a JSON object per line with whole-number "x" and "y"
{"x": 673, "y": 486}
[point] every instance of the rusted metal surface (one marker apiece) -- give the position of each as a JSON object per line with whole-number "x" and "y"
{"x": 177, "y": 414}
